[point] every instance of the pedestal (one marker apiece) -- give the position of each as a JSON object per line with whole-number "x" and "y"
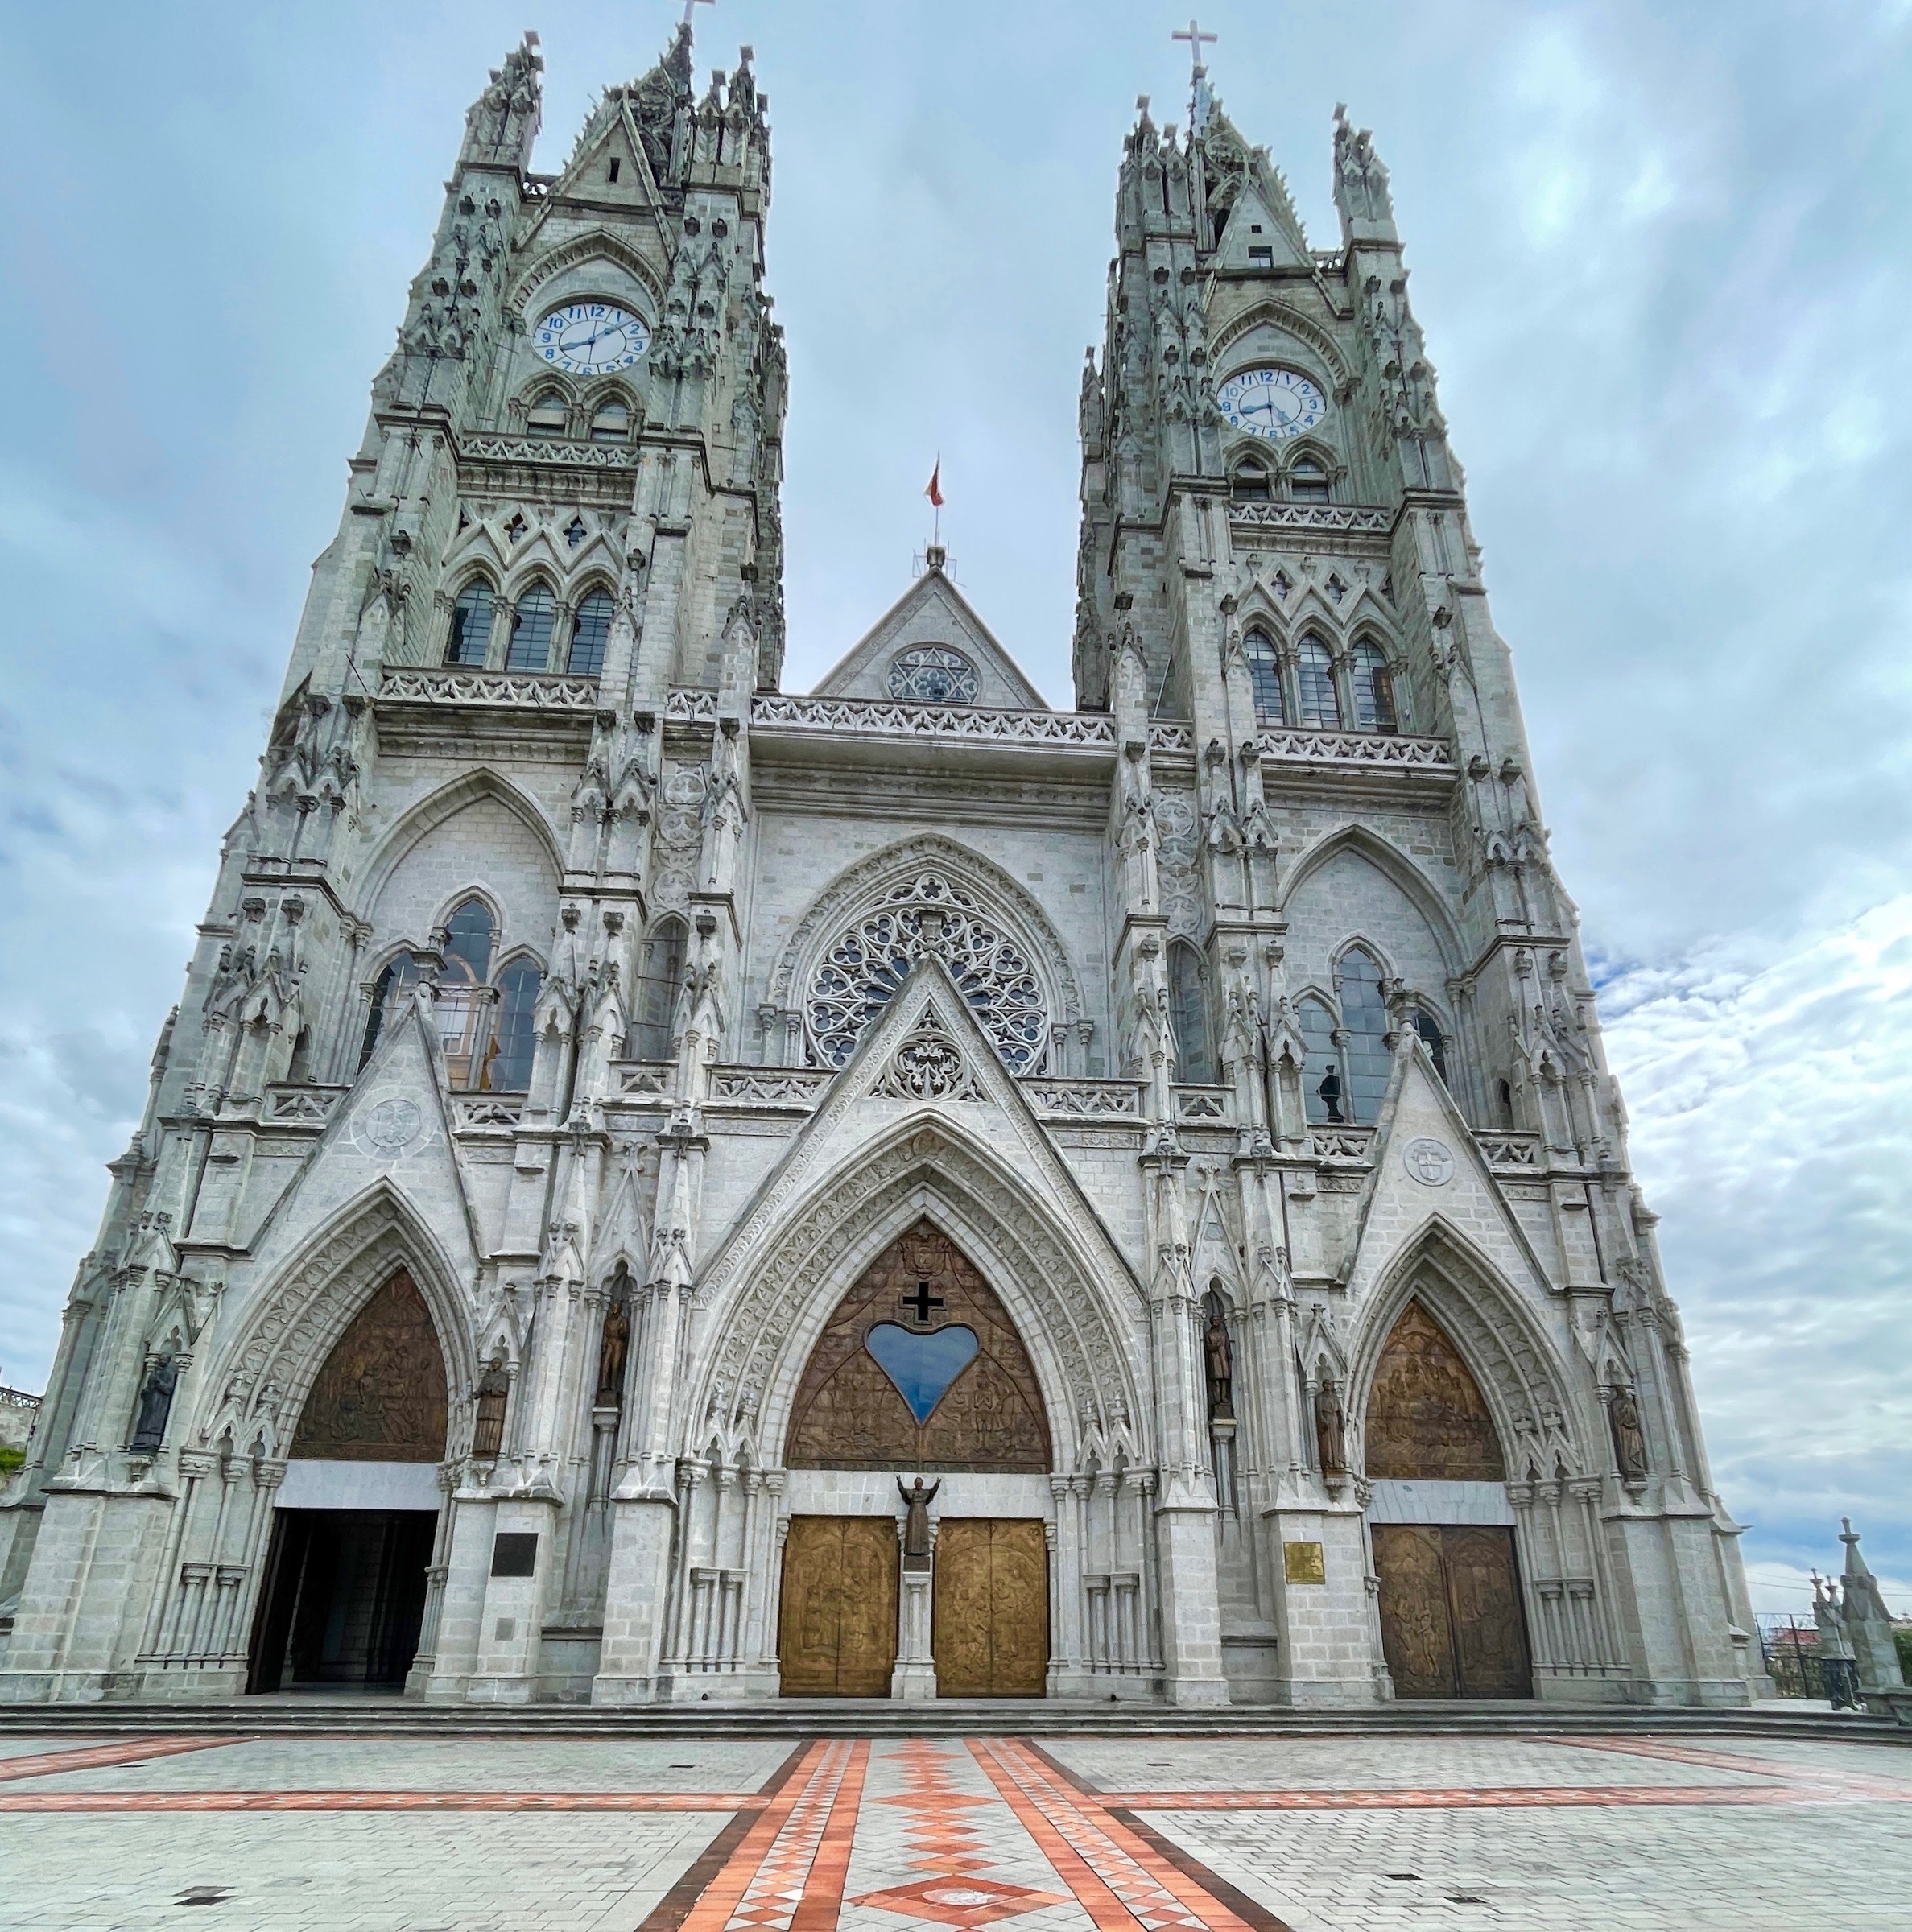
{"x": 913, "y": 1680}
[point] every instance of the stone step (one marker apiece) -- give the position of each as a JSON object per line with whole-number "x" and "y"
{"x": 801, "y": 1718}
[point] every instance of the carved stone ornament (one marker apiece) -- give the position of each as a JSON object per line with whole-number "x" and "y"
{"x": 928, "y": 1065}
{"x": 381, "y": 1396}
{"x": 1427, "y": 1419}
{"x": 920, "y": 1368}
{"x": 1430, "y": 1161}
{"x": 928, "y": 912}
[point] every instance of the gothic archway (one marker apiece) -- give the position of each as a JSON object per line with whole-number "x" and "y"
{"x": 920, "y": 1368}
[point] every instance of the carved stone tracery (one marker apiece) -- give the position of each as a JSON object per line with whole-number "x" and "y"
{"x": 1427, "y": 1418}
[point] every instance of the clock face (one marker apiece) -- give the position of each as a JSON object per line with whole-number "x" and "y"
{"x": 1271, "y": 402}
{"x": 587, "y": 338}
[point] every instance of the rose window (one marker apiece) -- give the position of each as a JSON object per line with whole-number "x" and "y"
{"x": 865, "y": 968}
{"x": 933, "y": 674}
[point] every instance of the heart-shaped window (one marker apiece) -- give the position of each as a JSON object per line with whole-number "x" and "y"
{"x": 922, "y": 1366}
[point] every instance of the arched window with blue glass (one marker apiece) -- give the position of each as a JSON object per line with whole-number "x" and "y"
{"x": 472, "y": 616}
{"x": 590, "y": 635}
{"x": 533, "y": 618}
{"x": 1374, "y": 707}
{"x": 1265, "y": 677}
{"x": 1320, "y": 707}
{"x": 1323, "y": 1095}
{"x": 1364, "y": 1021}
{"x": 1188, "y": 1008}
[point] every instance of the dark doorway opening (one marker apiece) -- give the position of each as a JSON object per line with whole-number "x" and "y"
{"x": 344, "y": 1600}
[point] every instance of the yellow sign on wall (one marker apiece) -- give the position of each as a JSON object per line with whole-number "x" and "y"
{"x": 1304, "y": 1563}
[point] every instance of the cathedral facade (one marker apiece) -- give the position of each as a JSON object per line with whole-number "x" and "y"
{"x": 663, "y": 1189}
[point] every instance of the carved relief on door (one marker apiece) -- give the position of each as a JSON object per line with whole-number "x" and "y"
{"x": 990, "y": 1631}
{"x": 1451, "y": 1619}
{"x": 837, "y": 1632}
{"x": 1427, "y": 1419}
{"x": 920, "y": 1369}
{"x": 381, "y": 1396}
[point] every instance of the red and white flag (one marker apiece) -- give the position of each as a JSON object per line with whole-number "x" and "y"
{"x": 934, "y": 492}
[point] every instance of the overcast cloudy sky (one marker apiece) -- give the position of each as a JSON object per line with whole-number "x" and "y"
{"x": 1663, "y": 258}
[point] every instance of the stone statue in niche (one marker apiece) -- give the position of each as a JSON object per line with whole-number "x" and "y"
{"x": 494, "y": 1388}
{"x": 1220, "y": 1361}
{"x": 611, "y": 1353}
{"x": 155, "y": 1406}
{"x": 1331, "y": 1429}
{"x": 1629, "y": 1437}
{"x": 916, "y": 1525}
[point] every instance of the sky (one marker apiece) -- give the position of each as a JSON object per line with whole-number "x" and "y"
{"x": 1662, "y": 259}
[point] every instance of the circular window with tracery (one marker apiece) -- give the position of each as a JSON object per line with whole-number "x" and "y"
{"x": 864, "y": 969}
{"x": 933, "y": 674}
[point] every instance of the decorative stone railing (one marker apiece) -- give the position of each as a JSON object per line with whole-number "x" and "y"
{"x": 1085, "y": 1099}
{"x": 1194, "y": 1103}
{"x": 513, "y": 690}
{"x": 1341, "y": 1143}
{"x": 884, "y": 717}
{"x": 643, "y": 1080}
{"x": 1356, "y": 748}
{"x": 768, "y": 1085}
{"x": 686, "y": 705}
{"x": 476, "y": 1110}
{"x": 1508, "y": 1149}
{"x": 1350, "y": 518}
{"x": 302, "y": 1105}
{"x": 558, "y": 450}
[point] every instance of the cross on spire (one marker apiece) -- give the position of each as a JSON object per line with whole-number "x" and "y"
{"x": 1194, "y": 37}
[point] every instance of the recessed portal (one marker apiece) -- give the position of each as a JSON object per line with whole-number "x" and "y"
{"x": 343, "y": 1600}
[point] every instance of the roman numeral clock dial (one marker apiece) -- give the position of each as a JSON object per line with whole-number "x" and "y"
{"x": 591, "y": 338}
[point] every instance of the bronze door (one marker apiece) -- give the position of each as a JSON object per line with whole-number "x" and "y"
{"x": 1451, "y": 1619}
{"x": 990, "y": 1635}
{"x": 837, "y": 1634}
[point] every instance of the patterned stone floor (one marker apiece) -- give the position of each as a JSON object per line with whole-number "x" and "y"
{"x": 1627, "y": 1834}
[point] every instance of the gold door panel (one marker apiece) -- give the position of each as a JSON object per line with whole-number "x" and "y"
{"x": 990, "y": 1635}
{"x": 837, "y": 1632}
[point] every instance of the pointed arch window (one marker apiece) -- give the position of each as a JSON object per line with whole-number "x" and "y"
{"x": 1429, "y": 1029}
{"x": 509, "y": 1067}
{"x": 1248, "y": 483}
{"x": 660, "y": 973}
{"x": 393, "y": 987}
{"x": 1265, "y": 678}
{"x": 611, "y": 423}
{"x": 464, "y": 998}
{"x": 1373, "y": 690}
{"x": 1364, "y": 1019}
{"x": 1320, "y": 705}
{"x": 1188, "y": 1006}
{"x": 472, "y": 616}
{"x": 531, "y": 624}
{"x": 1307, "y": 481}
{"x": 1323, "y": 1095}
{"x": 547, "y": 416}
{"x": 590, "y": 633}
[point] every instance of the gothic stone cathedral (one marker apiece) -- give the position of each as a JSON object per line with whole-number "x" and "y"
{"x": 627, "y": 1124}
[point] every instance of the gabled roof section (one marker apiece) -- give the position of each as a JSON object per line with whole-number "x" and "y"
{"x": 932, "y": 611}
{"x": 1253, "y": 224}
{"x": 1235, "y": 171}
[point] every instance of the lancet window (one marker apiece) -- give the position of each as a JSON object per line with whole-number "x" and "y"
{"x": 1188, "y": 1006}
{"x": 547, "y": 416}
{"x": 1365, "y": 1020}
{"x": 590, "y": 633}
{"x": 485, "y": 1019}
{"x": 1265, "y": 678}
{"x": 611, "y": 423}
{"x": 660, "y": 975}
{"x": 1324, "y": 1094}
{"x": 1249, "y": 482}
{"x": 472, "y": 617}
{"x": 1320, "y": 705}
{"x": 531, "y": 624}
{"x": 1373, "y": 690}
{"x": 1307, "y": 481}
{"x": 1349, "y": 1060}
